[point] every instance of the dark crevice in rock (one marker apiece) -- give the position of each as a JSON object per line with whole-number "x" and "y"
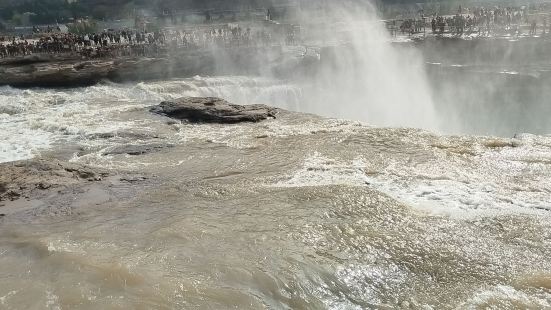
{"x": 136, "y": 150}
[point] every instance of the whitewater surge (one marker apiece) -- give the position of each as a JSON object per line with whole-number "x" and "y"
{"x": 299, "y": 212}
{"x": 35, "y": 120}
{"x": 465, "y": 189}
{"x": 88, "y": 121}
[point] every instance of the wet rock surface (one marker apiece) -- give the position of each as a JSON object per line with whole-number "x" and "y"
{"x": 26, "y": 179}
{"x": 135, "y": 150}
{"x": 66, "y": 72}
{"x": 73, "y": 71}
{"x": 213, "y": 110}
{"x": 37, "y": 190}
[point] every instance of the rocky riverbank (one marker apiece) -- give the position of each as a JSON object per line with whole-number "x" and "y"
{"x": 70, "y": 71}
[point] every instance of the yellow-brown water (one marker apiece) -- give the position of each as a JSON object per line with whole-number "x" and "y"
{"x": 294, "y": 213}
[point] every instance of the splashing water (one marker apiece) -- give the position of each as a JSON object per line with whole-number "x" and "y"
{"x": 363, "y": 77}
{"x": 36, "y": 120}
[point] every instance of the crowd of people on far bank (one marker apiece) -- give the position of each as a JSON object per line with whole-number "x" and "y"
{"x": 484, "y": 21}
{"x": 88, "y": 45}
{"x": 134, "y": 43}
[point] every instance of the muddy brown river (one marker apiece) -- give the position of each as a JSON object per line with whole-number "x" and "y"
{"x": 300, "y": 212}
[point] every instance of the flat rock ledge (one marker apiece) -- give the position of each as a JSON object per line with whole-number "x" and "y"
{"x": 213, "y": 110}
{"x": 27, "y": 178}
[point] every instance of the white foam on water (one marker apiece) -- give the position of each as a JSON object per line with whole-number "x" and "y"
{"x": 507, "y": 297}
{"x": 35, "y": 120}
{"x": 4, "y": 298}
{"x": 43, "y": 118}
{"x": 52, "y": 301}
{"x": 21, "y": 143}
{"x": 322, "y": 171}
{"x": 444, "y": 188}
{"x": 236, "y": 89}
{"x": 510, "y": 72}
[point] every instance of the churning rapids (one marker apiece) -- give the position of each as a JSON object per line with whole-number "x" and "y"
{"x": 300, "y": 212}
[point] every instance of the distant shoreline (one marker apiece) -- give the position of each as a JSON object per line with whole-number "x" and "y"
{"x": 66, "y": 70}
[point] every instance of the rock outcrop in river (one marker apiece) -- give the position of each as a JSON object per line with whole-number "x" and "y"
{"x": 26, "y": 179}
{"x": 213, "y": 110}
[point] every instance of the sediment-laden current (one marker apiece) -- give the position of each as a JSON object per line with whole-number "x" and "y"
{"x": 299, "y": 212}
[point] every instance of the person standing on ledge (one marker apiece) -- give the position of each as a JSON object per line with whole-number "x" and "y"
{"x": 533, "y": 28}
